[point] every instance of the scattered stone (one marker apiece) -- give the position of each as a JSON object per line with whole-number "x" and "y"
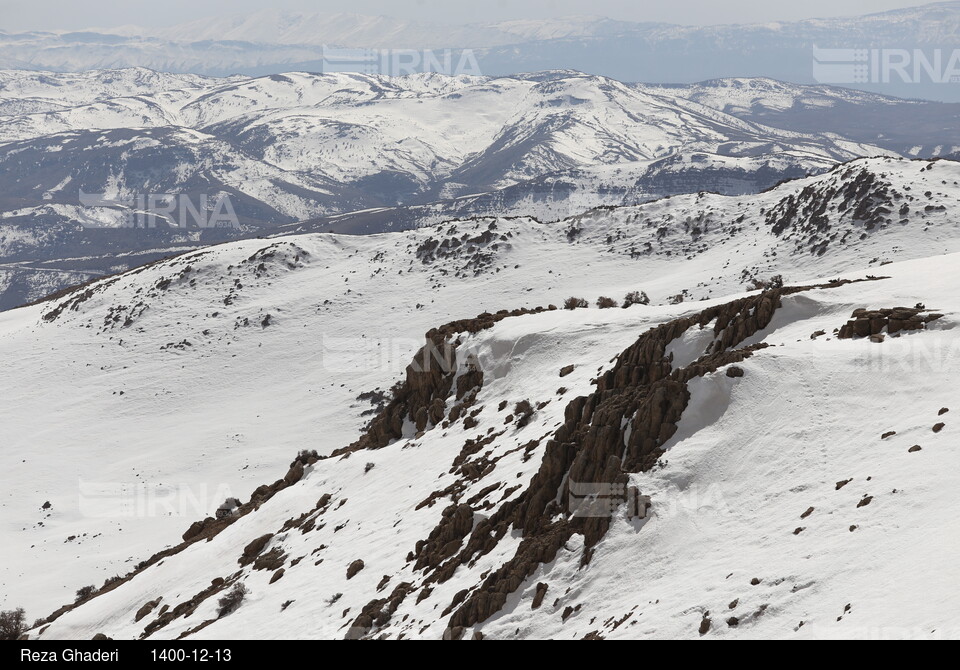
{"x": 939, "y": 427}
{"x": 735, "y": 372}
{"x": 733, "y": 622}
{"x": 799, "y": 530}
{"x": 866, "y": 501}
{"x": 354, "y": 568}
{"x": 568, "y": 370}
{"x": 146, "y": 609}
{"x": 840, "y": 485}
{"x": 808, "y": 513}
{"x": 255, "y": 548}
{"x": 539, "y": 595}
{"x": 705, "y": 625}
{"x": 890, "y": 434}
{"x": 943, "y": 411}
{"x": 755, "y": 581}
{"x": 915, "y": 449}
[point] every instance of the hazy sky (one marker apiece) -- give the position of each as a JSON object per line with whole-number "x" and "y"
{"x": 70, "y": 14}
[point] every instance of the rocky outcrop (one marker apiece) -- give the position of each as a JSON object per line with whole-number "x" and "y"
{"x": 620, "y": 428}
{"x": 377, "y": 613}
{"x": 872, "y": 323}
{"x": 423, "y": 395}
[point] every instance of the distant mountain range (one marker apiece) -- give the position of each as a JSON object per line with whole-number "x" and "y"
{"x": 365, "y": 154}
{"x": 271, "y": 42}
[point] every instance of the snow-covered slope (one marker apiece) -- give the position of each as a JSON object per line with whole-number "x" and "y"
{"x": 764, "y": 493}
{"x": 203, "y": 376}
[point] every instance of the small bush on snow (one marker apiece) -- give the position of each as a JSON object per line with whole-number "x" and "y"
{"x": 232, "y": 600}
{"x": 85, "y": 592}
{"x": 13, "y": 624}
{"x": 635, "y": 298}
{"x": 604, "y": 302}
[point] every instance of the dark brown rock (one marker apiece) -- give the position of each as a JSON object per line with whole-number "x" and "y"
{"x": 254, "y": 549}
{"x": 354, "y": 568}
{"x": 540, "y": 594}
{"x": 295, "y": 474}
{"x": 146, "y": 609}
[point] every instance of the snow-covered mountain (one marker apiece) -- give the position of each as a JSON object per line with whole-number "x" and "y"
{"x": 915, "y": 128}
{"x": 353, "y": 153}
{"x": 272, "y": 42}
{"x": 273, "y": 26}
{"x": 204, "y": 375}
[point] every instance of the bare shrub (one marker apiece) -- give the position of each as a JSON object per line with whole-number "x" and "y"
{"x": 575, "y": 303}
{"x": 229, "y": 603}
{"x": 635, "y": 298}
{"x": 13, "y": 624}
{"x": 85, "y": 592}
{"x": 524, "y": 412}
{"x": 604, "y": 302}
